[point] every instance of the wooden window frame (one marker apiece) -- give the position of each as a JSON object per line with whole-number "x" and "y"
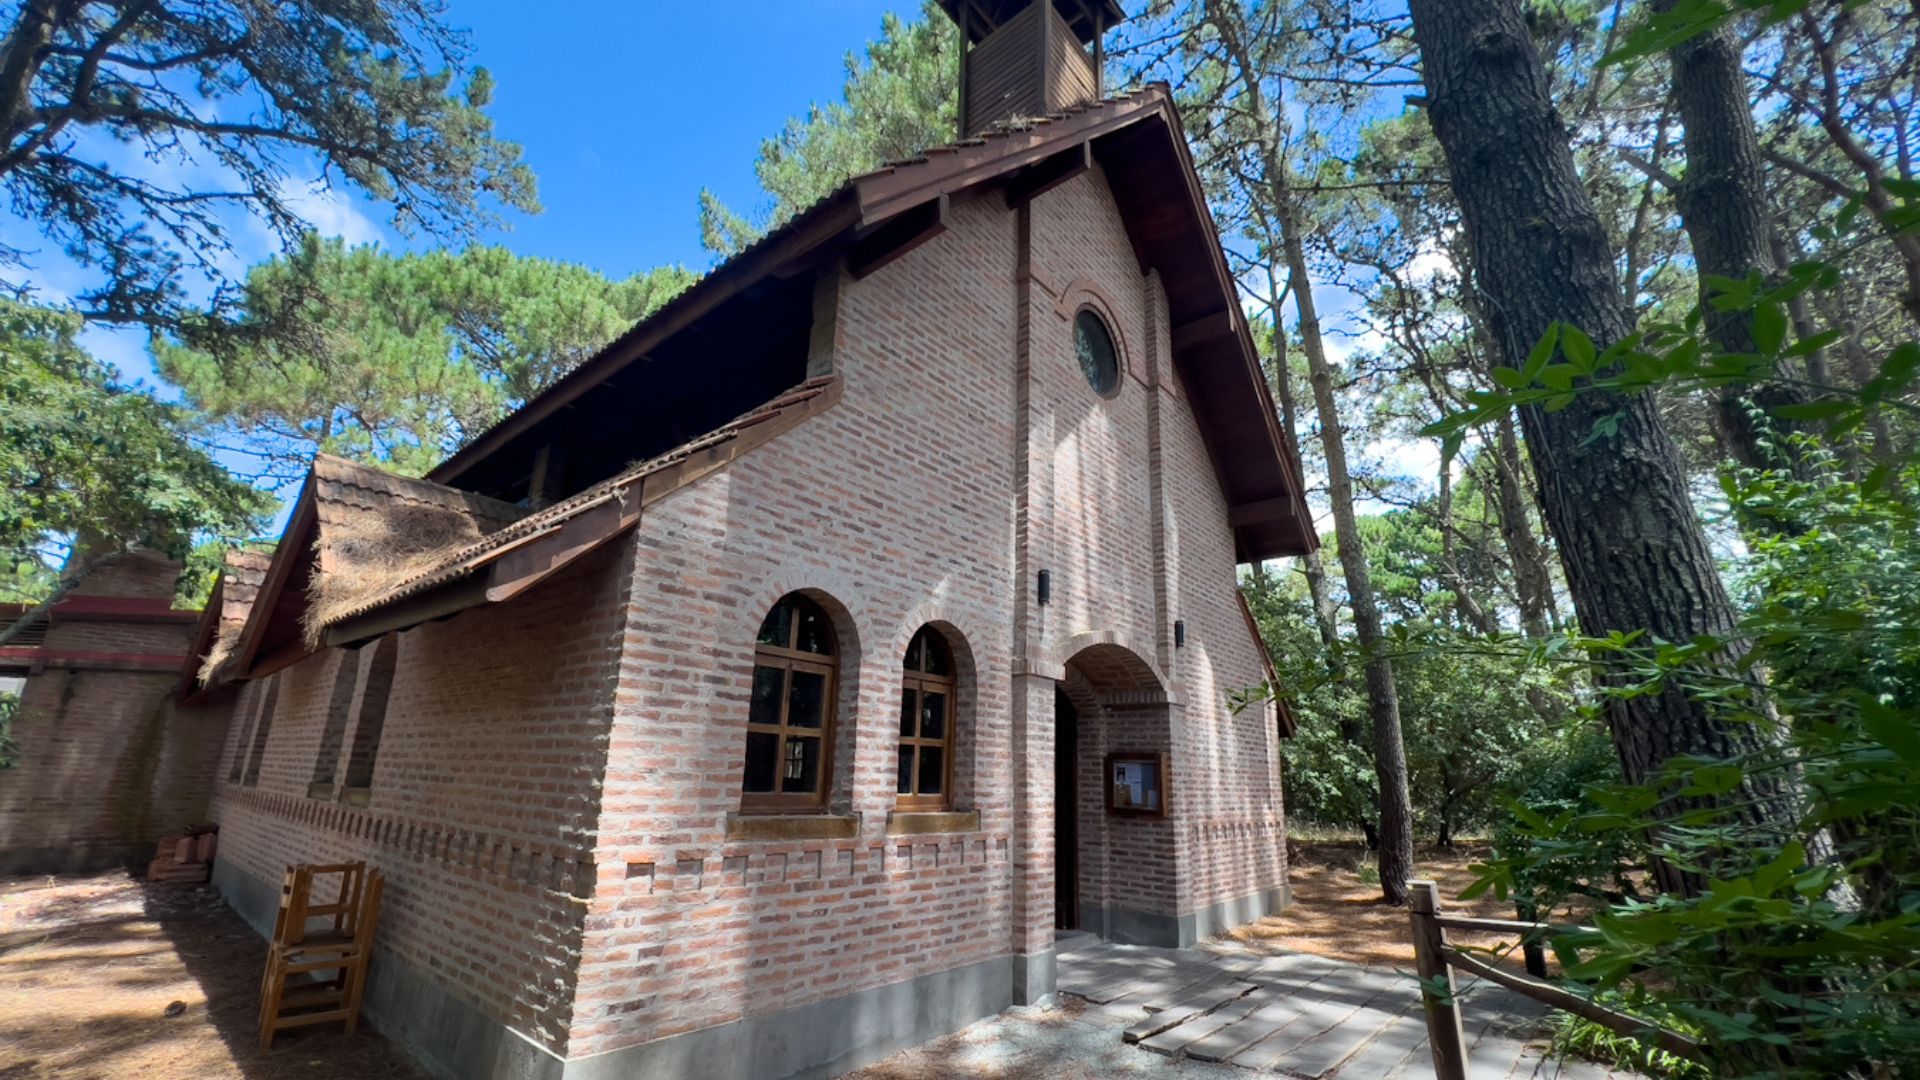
{"x": 918, "y": 683}
{"x": 788, "y": 660}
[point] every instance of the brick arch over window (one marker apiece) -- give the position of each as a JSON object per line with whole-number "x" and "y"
{"x": 794, "y": 691}
{"x": 1085, "y": 294}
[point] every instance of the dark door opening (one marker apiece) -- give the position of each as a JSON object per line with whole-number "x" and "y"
{"x": 1066, "y": 817}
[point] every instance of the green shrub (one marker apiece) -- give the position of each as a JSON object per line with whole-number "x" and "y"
{"x": 1577, "y": 1037}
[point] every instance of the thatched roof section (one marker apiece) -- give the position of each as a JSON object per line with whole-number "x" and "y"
{"x": 241, "y": 575}
{"x": 687, "y": 461}
{"x": 376, "y": 530}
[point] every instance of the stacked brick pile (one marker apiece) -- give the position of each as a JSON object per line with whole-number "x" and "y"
{"x": 186, "y": 860}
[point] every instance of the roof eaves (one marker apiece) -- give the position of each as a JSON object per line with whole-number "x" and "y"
{"x": 625, "y": 494}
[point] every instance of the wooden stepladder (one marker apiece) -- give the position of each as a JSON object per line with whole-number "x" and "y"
{"x": 294, "y": 992}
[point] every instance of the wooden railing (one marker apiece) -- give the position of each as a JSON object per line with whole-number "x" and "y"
{"x": 1437, "y": 961}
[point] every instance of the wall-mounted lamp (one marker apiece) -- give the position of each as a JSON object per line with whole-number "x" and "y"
{"x": 1046, "y": 587}
{"x": 1179, "y": 633}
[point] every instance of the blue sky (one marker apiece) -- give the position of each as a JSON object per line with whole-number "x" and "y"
{"x": 627, "y": 110}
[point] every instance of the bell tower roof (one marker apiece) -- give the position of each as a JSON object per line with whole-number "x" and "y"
{"x": 1086, "y": 18}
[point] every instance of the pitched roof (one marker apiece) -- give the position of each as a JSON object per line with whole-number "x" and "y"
{"x": 1137, "y": 140}
{"x": 354, "y": 528}
{"x": 363, "y": 545}
{"x": 619, "y": 500}
{"x": 228, "y": 604}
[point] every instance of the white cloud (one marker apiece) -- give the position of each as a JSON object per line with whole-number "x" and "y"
{"x": 330, "y": 214}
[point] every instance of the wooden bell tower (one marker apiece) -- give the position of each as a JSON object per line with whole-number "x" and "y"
{"x": 1028, "y": 58}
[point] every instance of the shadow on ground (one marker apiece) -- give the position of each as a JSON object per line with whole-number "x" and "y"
{"x": 108, "y": 976}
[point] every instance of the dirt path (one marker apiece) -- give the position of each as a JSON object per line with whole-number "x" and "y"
{"x": 110, "y": 977}
{"x": 1337, "y": 915}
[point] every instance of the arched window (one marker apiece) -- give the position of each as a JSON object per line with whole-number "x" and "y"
{"x": 925, "y": 764}
{"x": 1099, "y": 358}
{"x": 790, "y": 718}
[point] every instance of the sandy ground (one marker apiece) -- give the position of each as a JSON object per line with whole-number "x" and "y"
{"x": 1340, "y": 917}
{"x": 110, "y": 977}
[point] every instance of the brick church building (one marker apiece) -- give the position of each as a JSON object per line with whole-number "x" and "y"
{"x": 767, "y": 694}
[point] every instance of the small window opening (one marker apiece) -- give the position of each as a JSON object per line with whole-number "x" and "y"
{"x": 1099, "y": 359}
{"x": 924, "y": 759}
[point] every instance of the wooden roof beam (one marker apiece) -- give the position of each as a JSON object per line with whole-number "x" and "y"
{"x": 1036, "y": 180}
{"x": 899, "y": 236}
{"x": 1207, "y": 328}
{"x": 1260, "y": 511}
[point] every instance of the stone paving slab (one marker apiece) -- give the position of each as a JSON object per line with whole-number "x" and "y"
{"x": 1300, "y": 1016}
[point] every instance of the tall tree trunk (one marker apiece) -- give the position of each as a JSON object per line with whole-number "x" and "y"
{"x": 1383, "y": 697}
{"x": 1633, "y": 551}
{"x": 1313, "y": 564}
{"x": 1722, "y": 198}
{"x": 1532, "y": 582}
{"x": 1383, "y": 701}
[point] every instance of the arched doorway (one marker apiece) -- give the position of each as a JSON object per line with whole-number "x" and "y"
{"x": 1117, "y": 872}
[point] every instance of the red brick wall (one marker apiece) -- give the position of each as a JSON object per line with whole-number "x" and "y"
{"x": 106, "y": 764}
{"x": 893, "y": 507}
{"x": 896, "y": 508}
{"x": 484, "y": 792}
{"x": 1226, "y": 803}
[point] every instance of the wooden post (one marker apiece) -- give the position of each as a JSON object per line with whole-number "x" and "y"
{"x": 1536, "y": 955}
{"x": 1444, "y": 1033}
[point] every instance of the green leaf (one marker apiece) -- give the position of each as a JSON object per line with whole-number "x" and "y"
{"x": 1770, "y": 327}
{"x": 1579, "y": 349}
{"x": 1813, "y": 410}
{"x": 1894, "y": 729}
{"x": 1542, "y": 352}
{"x": 1715, "y": 780}
{"x": 1509, "y": 378}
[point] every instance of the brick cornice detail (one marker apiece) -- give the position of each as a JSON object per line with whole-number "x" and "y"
{"x": 501, "y": 861}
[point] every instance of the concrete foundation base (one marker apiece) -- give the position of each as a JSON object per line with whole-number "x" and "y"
{"x": 1124, "y": 926}
{"x": 1034, "y": 977}
{"x": 454, "y": 1040}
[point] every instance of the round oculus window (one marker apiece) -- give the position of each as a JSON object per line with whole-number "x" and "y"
{"x": 1099, "y": 360}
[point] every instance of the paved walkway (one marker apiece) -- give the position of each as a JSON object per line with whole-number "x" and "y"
{"x": 1296, "y": 1015}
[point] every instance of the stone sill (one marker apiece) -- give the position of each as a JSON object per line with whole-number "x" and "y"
{"x": 356, "y": 796}
{"x": 792, "y": 826}
{"x": 922, "y": 823}
{"x": 320, "y": 790}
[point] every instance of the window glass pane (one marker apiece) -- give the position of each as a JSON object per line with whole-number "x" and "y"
{"x": 932, "y": 770}
{"x": 913, "y": 652}
{"x": 933, "y": 714}
{"x": 800, "y": 769}
{"x": 814, "y": 636}
{"x": 762, "y": 755}
{"x": 1099, "y": 361}
{"x": 779, "y": 623}
{"x": 765, "y": 708}
{"x": 905, "y": 786}
{"x": 906, "y": 712}
{"x": 806, "y": 700}
{"x": 938, "y": 661}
